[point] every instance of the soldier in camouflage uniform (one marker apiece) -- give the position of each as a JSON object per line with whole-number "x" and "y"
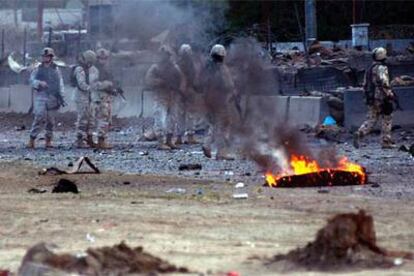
{"x": 191, "y": 74}
{"x": 219, "y": 95}
{"x": 379, "y": 101}
{"x": 102, "y": 98}
{"x": 47, "y": 82}
{"x": 166, "y": 80}
{"x": 86, "y": 76}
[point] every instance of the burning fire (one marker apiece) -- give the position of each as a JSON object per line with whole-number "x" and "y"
{"x": 301, "y": 165}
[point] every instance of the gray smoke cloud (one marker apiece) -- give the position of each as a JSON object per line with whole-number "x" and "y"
{"x": 259, "y": 132}
{"x": 186, "y": 21}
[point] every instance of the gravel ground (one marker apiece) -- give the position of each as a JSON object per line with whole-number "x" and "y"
{"x": 389, "y": 170}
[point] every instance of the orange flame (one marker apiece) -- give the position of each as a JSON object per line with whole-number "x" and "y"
{"x": 302, "y": 165}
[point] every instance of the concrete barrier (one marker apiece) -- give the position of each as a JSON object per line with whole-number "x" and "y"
{"x": 20, "y": 98}
{"x": 309, "y": 111}
{"x": 355, "y": 109}
{"x": 4, "y": 98}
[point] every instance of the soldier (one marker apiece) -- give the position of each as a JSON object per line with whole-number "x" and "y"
{"x": 85, "y": 78}
{"x": 379, "y": 97}
{"x": 47, "y": 82}
{"x": 102, "y": 98}
{"x": 166, "y": 80}
{"x": 191, "y": 74}
{"x": 219, "y": 95}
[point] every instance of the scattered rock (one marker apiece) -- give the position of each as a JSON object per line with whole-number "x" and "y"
{"x": 187, "y": 167}
{"x": 126, "y": 182}
{"x": 116, "y": 260}
{"x": 37, "y": 191}
{"x": 65, "y": 186}
{"x": 20, "y": 128}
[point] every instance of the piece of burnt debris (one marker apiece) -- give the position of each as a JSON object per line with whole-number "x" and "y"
{"x": 347, "y": 242}
{"x": 65, "y": 186}
{"x": 189, "y": 167}
{"x": 119, "y": 259}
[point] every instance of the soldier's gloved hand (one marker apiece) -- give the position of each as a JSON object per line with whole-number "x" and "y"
{"x": 43, "y": 84}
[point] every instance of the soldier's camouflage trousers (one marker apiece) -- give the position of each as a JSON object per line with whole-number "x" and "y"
{"x": 102, "y": 113}
{"x": 84, "y": 120}
{"x": 373, "y": 116}
{"x": 42, "y": 116}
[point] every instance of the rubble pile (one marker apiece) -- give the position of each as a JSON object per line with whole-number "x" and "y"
{"x": 347, "y": 242}
{"x": 116, "y": 260}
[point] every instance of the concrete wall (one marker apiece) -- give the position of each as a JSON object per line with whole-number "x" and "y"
{"x": 356, "y": 110}
{"x": 296, "y": 110}
{"x": 397, "y": 44}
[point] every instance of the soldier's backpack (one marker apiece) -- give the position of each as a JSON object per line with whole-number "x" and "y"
{"x": 74, "y": 80}
{"x": 369, "y": 87}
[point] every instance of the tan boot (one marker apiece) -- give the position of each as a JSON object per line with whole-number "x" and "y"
{"x": 102, "y": 144}
{"x": 31, "y": 143}
{"x": 191, "y": 140}
{"x": 48, "y": 143}
{"x": 179, "y": 140}
{"x": 89, "y": 141}
{"x": 80, "y": 143}
{"x": 164, "y": 146}
{"x": 170, "y": 143}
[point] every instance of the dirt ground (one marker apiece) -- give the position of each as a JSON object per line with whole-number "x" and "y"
{"x": 204, "y": 228}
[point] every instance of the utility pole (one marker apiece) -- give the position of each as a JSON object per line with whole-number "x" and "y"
{"x": 40, "y": 6}
{"x": 310, "y": 19}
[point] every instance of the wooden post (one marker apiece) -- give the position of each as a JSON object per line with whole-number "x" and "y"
{"x": 40, "y": 7}
{"x": 24, "y": 46}
{"x": 2, "y": 44}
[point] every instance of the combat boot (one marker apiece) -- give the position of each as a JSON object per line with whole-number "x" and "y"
{"x": 80, "y": 143}
{"x": 191, "y": 139}
{"x": 388, "y": 145}
{"x": 102, "y": 144}
{"x": 48, "y": 143}
{"x": 31, "y": 143}
{"x": 179, "y": 140}
{"x": 170, "y": 143}
{"x": 207, "y": 151}
{"x": 89, "y": 141}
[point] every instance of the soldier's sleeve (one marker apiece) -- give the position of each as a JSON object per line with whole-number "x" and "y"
{"x": 61, "y": 84}
{"x": 81, "y": 79}
{"x": 151, "y": 77}
{"x": 229, "y": 79}
{"x": 384, "y": 80}
{"x": 33, "y": 81}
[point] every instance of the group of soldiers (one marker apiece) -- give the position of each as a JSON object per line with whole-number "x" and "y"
{"x": 178, "y": 80}
{"x": 94, "y": 90}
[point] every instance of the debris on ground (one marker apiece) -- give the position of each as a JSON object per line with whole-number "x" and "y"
{"x": 20, "y": 128}
{"x": 75, "y": 168}
{"x": 347, "y": 242}
{"x": 176, "y": 190}
{"x": 189, "y": 167}
{"x": 65, "y": 186}
{"x": 240, "y": 196}
{"x": 330, "y": 133}
{"x": 36, "y": 191}
{"x": 116, "y": 260}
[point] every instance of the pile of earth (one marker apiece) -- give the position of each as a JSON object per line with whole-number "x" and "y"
{"x": 116, "y": 260}
{"x": 347, "y": 242}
